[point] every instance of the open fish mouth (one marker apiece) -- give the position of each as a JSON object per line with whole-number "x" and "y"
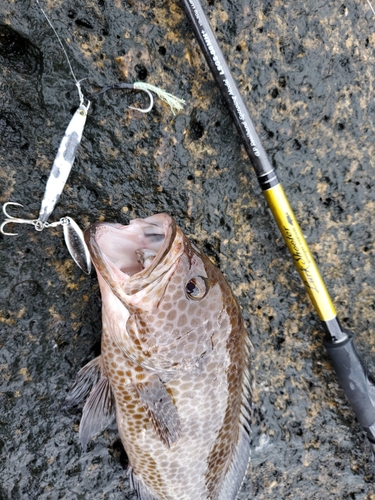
{"x": 125, "y": 253}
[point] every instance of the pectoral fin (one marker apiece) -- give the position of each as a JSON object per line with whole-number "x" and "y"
{"x": 99, "y": 409}
{"x": 160, "y": 409}
{"x": 86, "y": 378}
{"x": 98, "y": 412}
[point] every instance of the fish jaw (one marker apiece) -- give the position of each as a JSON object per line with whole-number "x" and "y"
{"x": 127, "y": 284}
{"x": 115, "y": 251}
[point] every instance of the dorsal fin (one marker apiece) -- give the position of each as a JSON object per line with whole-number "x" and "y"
{"x": 241, "y": 454}
{"x": 237, "y": 470}
{"x": 160, "y": 409}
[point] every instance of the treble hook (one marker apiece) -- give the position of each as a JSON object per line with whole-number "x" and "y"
{"x": 37, "y": 223}
{"x": 125, "y": 86}
{"x": 10, "y": 219}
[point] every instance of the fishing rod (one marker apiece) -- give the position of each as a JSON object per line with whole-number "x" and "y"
{"x": 353, "y": 377}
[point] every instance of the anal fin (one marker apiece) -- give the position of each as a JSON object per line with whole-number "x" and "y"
{"x": 160, "y": 409}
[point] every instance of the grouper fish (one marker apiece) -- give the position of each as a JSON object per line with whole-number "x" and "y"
{"x": 174, "y": 367}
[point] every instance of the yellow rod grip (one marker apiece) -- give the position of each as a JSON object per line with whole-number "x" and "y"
{"x": 302, "y": 257}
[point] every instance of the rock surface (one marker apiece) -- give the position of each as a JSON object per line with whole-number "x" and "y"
{"x": 306, "y": 71}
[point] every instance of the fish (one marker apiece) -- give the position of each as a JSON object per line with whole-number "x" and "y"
{"x": 175, "y": 363}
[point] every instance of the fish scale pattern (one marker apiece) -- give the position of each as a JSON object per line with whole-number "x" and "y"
{"x": 180, "y": 332}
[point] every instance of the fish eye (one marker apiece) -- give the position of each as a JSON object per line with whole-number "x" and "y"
{"x": 196, "y": 288}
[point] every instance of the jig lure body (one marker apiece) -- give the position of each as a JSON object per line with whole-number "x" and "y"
{"x": 63, "y": 163}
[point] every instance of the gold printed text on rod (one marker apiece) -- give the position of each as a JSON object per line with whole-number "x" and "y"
{"x": 302, "y": 257}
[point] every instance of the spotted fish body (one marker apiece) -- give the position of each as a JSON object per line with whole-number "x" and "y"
{"x": 174, "y": 365}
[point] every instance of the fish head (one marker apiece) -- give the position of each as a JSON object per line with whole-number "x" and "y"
{"x": 165, "y": 303}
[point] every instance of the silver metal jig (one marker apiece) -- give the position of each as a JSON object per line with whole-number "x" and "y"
{"x": 63, "y": 162}
{"x": 58, "y": 176}
{"x": 60, "y": 171}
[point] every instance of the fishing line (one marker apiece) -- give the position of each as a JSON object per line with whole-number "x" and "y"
{"x": 77, "y": 82}
{"x": 371, "y": 7}
{"x": 175, "y": 103}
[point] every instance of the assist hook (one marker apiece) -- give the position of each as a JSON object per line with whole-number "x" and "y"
{"x": 126, "y": 86}
{"x": 175, "y": 103}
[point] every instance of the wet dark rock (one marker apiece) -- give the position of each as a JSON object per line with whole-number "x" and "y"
{"x": 196, "y": 130}
{"x": 305, "y": 71}
{"x": 11, "y": 131}
{"x": 19, "y": 53}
